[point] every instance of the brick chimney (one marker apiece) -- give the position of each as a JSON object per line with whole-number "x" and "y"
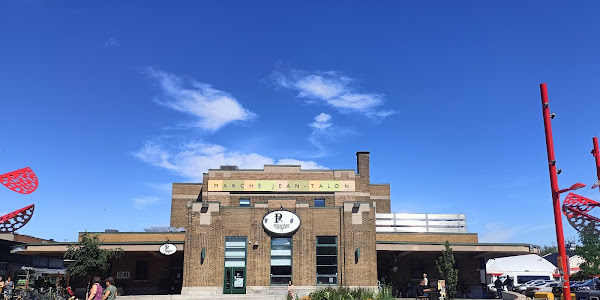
{"x": 362, "y": 167}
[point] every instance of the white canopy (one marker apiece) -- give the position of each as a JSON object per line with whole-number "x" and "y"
{"x": 40, "y": 271}
{"x": 519, "y": 263}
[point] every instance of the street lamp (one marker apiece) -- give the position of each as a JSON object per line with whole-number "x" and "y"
{"x": 573, "y": 187}
{"x": 560, "y": 238}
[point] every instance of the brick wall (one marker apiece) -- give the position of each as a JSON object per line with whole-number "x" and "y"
{"x": 380, "y": 194}
{"x": 333, "y": 220}
{"x": 428, "y": 237}
{"x": 183, "y": 193}
{"x": 125, "y": 237}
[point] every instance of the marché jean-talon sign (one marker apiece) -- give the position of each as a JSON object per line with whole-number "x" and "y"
{"x": 281, "y": 222}
{"x": 280, "y": 186}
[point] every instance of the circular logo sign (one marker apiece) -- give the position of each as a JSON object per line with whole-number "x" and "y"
{"x": 281, "y": 222}
{"x": 167, "y": 249}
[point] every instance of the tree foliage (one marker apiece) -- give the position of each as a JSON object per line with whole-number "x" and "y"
{"x": 445, "y": 264}
{"x": 89, "y": 259}
{"x": 548, "y": 249}
{"x": 589, "y": 250}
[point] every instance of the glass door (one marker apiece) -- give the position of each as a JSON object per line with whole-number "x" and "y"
{"x": 234, "y": 280}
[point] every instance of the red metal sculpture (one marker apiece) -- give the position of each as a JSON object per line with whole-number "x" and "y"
{"x": 16, "y": 219}
{"x": 577, "y": 209}
{"x": 21, "y": 181}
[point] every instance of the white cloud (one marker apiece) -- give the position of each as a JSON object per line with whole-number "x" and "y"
{"x": 112, "y": 42}
{"x": 322, "y": 121}
{"x": 193, "y": 158}
{"x": 333, "y": 89}
{"x": 143, "y": 202}
{"x": 213, "y": 108}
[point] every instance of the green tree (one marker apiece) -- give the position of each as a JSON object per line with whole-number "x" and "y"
{"x": 445, "y": 264}
{"x": 89, "y": 259}
{"x": 548, "y": 249}
{"x": 589, "y": 250}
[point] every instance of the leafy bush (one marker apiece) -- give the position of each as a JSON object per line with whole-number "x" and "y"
{"x": 344, "y": 293}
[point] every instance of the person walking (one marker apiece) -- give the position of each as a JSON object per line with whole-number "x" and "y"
{"x": 96, "y": 290}
{"x": 111, "y": 290}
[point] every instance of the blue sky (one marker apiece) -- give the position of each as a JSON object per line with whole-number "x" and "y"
{"x": 110, "y": 102}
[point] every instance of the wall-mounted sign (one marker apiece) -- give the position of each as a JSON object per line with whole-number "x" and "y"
{"x": 167, "y": 249}
{"x": 281, "y": 186}
{"x": 281, "y": 222}
{"x": 123, "y": 275}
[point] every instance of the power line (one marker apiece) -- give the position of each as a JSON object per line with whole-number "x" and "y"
{"x": 9, "y": 156}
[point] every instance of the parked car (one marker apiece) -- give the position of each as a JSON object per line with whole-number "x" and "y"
{"x": 591, "y": 284}
{"x": 519, "y": 278}
{"x": 523, "y": 287}
{"x": 544, "y": 287}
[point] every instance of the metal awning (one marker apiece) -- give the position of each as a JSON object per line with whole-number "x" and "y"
{"x": 58, "y": 249}
{"x": 477, "y": 249}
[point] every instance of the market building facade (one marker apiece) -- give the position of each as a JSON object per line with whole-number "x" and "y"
{"x": 253, "y": 231}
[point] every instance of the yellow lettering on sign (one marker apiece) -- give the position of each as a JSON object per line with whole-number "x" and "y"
{"x": 281, "y": 185}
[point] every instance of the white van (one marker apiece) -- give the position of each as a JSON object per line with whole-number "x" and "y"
{"x": 520, "y": 278}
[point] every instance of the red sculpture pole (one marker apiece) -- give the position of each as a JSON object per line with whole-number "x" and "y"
{"x": 596, "y": 153}
{"x": 560, "y": 239}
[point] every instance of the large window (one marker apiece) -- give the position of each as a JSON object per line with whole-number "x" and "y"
{"x": 327, "y": 272}
{"x": 235, "y": 251}
{"x": 281, "y": 260}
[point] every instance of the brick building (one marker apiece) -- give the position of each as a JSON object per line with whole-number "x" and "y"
{"x": 252, "y": 231}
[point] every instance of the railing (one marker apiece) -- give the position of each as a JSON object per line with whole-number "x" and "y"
{"x": 453, "y": 223}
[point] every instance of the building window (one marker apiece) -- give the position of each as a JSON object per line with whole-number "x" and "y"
{"x": 244, "y": 202}
{"x": 327, "y": 260}
{"x": 281, "y": 260}
{"x": 319, "y": 202}
{"x": 141, "y": 270}
{"x": 235, "y": 251}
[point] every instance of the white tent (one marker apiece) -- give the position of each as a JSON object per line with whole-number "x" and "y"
{"x": 519, "y": 263}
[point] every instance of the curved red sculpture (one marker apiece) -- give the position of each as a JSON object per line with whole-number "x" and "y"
{"x": 577, "y": 209}
{"x": 16, "y": 219}
{"x": 21, "y": 181}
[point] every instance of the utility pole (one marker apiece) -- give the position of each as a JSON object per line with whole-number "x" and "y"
{"x": 596, "y": 154}
{"x": 560, "y": 238}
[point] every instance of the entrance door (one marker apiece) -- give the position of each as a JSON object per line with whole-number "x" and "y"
{"x": 234, "y": 280}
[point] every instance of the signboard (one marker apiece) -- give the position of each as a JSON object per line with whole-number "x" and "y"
{"x": 167, "y": 249}
{"x": 281, "y": 186}
{"x": 442, "y": 288}
{"x": 238, "y": 282}
{"x": 281, "y": 222}
{"x": 123, "y": 275}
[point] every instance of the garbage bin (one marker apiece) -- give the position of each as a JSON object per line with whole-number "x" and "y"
{"x": 540, "y": 295}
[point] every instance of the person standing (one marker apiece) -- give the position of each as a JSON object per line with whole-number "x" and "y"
{"x": 96, "y": 290}
{"x": 111, "y": 290}
{"x": 291, "y": 291}
{"x": 425, "y": 279}
{"x": 498, "y": 285}
{"x": 509, "y": 283}
{"x": 466, "y": 289}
